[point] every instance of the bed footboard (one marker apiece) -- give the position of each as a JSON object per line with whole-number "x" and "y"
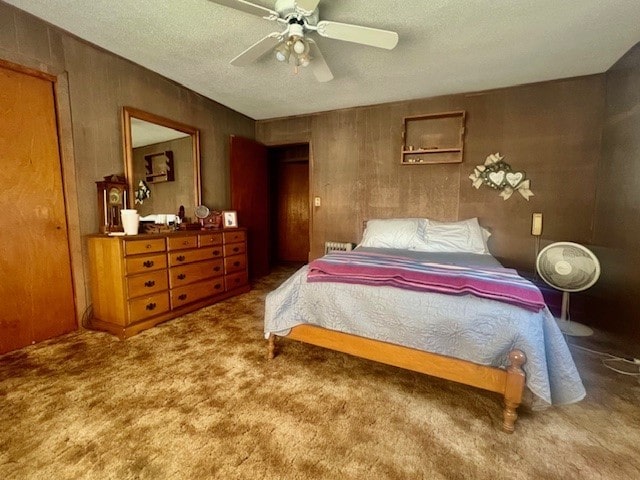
{"x": 510, "y": 382}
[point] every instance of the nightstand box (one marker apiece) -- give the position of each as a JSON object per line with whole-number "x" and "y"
{"x": 552, "y": 297}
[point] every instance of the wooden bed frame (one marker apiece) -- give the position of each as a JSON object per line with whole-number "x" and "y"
{"x": 510, "y": 382}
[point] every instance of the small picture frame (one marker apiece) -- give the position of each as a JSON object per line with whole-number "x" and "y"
{"x": 230, "y": 219}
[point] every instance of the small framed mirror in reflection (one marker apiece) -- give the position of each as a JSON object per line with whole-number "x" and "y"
{"x": 162, "y": 164}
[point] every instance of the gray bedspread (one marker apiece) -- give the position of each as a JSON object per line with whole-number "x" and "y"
{"x": 480, "y": 330}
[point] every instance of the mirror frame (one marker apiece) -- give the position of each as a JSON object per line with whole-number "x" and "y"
{"x": 127, "y": 114}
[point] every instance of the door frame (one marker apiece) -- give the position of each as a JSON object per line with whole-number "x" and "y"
{"x": 310, "y": 193}
{"x": 61, "y": 99}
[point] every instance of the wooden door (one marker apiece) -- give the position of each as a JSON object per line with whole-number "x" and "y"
{"x": 250, "y": 198}
{"x": 293, "y": 211}
{"x": 36, "y": 290}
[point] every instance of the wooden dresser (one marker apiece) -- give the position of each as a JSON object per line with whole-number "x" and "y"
{"x": 140, "y": 281}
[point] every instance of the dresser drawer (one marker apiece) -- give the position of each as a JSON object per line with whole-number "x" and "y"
{"x": 234, "y": 236}
{"x": 146, "y": 283}
{"x": 137, "y": 247}
{"x": 235, "y": 280}
{"x": 208, "y": 239}
{"x": 182, "y": 242}
{"x": 234, "y": 249}
{"x": 145, "y": 263}
{"x": 194, "y": 272}
{"x": 235, "y": 263}
{"x": 148, "y": 306}
{"x": 196, "y": 255}
{"x": 196, "y": 291}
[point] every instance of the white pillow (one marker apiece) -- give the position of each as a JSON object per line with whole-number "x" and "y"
{"x": 391, "y": 233}
{"x": 463, "y": 236}
{"x": 486, "y": 234}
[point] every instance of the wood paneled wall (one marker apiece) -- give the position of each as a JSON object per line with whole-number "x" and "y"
{"x": 93, "y": 86}
{"x": 549, "y": 130}
{"x": 617, "y": 218}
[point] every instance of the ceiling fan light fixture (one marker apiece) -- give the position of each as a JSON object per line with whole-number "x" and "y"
{"x": 299, "y": 46}
{"x": 297, "y": 52}
{"x": 283, "y": 53}
{"x": 293, "y": 45}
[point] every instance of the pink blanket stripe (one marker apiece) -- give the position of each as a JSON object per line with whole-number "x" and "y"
{"x": 502, "y": 284}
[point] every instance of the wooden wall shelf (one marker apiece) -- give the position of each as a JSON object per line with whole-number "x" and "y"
{"x": 159, "y": 167}
{"x": 433, "y": 138}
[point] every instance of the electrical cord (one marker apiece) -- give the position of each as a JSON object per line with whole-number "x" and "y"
{"x": 612, "y": 358}
{"x": 87, "y": 316}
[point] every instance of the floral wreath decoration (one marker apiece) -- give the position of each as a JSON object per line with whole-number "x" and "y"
{"x": 142, "y": 192}
{"x": 497, "y": 174}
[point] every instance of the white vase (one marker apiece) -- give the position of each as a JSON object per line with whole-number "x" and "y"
{"x": 130, "y": 221}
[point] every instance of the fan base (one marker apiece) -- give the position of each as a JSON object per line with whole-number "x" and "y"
{"x": 573, "y": 329}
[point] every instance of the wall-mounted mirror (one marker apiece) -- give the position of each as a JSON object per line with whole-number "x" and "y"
{"x": 165, "y": 154}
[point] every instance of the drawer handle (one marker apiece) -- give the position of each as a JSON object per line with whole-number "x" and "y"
{"x": 181, "y": 258}
{"x": 216, "y": 253}
{"x": 216, "y": 269}
{"x": 151, "y": 306}
{"x": 147, "y": 246}
{"x": 182, "y": 276}
{"x": 236, "y": 263}
{"x": 236, "y": 249}
{"x": 186, "y": 242}
{"x": 217, "y": 286}
{"x": 150, "y": 283}
{"x": 182, "y": 296}
{"x": 148, "y": 264}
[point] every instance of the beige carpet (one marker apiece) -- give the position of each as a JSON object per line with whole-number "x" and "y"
{"x": 195, "y": 398}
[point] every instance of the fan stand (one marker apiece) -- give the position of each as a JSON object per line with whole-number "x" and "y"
{"x": 573, "y": 329}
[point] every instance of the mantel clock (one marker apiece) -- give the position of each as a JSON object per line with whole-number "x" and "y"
{"x": 112, "y": 197}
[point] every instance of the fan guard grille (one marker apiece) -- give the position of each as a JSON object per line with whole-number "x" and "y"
{"x": 568, "y": 266}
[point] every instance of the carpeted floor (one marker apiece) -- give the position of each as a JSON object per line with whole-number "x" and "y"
{"x": 195, "y": 398}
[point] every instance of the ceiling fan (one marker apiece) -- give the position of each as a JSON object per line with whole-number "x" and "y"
{"x": 292, "y": 45}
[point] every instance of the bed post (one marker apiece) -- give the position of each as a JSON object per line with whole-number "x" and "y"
{"x": 271, "y": 347}
{"x": 514, "y": 387}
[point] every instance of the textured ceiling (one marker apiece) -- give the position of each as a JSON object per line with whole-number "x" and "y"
{"x": 146, "y": 133}
{"x": 446, "y": 46}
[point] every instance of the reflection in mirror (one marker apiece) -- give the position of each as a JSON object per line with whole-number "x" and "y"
{"x": 165, "y": 155}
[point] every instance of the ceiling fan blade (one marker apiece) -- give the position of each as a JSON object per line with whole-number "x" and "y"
{"x": 357, "y": 34}
{"x": 307, "y": 7}
{"x": 258, "y": 49}
{"x": 249, "y": 7}
{"x": 318, "y": 64}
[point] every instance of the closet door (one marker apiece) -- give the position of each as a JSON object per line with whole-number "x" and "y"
{"x": 36, "y": 290}
{"x": 293, "y": 211}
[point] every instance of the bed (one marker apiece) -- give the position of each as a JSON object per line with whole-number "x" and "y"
{"x": 488, "y": 342}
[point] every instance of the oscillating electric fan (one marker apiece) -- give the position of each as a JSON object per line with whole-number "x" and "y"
{"x": 568, "y": 267}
